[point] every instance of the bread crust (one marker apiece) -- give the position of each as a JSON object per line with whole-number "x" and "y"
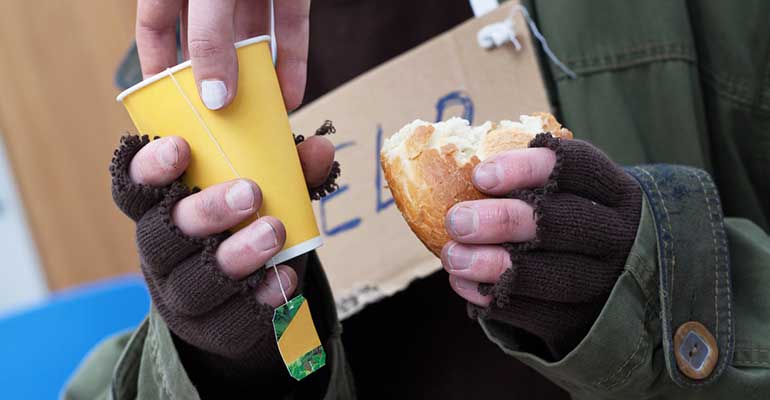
{"x": 431, "y": 180}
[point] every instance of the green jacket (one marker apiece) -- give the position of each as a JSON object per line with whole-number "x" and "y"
{"x": 659, "y": 81}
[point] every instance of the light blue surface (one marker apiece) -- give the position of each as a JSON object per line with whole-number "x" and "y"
{"x": 40, "y": 347}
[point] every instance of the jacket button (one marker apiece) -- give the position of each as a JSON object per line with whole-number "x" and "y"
{"x": 695, "y": 350}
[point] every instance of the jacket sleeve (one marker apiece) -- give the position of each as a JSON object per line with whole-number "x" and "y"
{"x": 146, "y": 365}
{"x": 688, "y": 265}
{"x": 93, "y": 377}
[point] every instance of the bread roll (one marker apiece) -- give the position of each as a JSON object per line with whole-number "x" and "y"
{"x": 428, "y": 166}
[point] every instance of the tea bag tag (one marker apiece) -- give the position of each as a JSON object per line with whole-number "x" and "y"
{"x": 298, "y": 341}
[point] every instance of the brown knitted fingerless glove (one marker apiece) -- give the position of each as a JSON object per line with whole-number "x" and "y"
{"x": 587, "y": 217}
{"x": 223, "y": 335}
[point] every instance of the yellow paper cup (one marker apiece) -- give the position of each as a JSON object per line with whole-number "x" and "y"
{"x": 250, "y": 138}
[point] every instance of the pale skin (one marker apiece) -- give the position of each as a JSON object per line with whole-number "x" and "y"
{"x": 477, "y": 228}
{"x": 209, "y": 29}
{"x": 473, "y": 256}
{"x": 223, "y": 206}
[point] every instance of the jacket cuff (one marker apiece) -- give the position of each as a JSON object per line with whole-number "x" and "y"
{"x": 677, "y": 271}
{"x": 150, "y": 366}
{"x": 621, "y": 339}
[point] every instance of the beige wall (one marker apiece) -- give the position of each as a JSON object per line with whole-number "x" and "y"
{"x": 60, "y": 123}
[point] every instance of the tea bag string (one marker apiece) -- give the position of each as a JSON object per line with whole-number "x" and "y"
{"x": 273, "y": 40}
{"x": 271, "y": 263}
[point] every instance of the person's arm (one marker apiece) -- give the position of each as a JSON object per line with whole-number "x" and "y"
{"x": 92, "y": 379}
{"x": 209, "y": 288}
{"x": 605, "y": 326}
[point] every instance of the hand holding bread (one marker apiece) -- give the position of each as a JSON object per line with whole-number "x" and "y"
{"x": 533, "y": 229}
{"x": 429, "y": 167}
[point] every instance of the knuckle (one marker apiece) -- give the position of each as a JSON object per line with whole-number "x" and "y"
{"x": 511, "y": 217}
{"x": 496, "y": 218}
{"x": 228, "y": 257}
{"x": 502, "y": 263}
{"x": 525, "y": 171}
{"x": 152, "y": 20}
{"x": 204, "y": 47}
{"x": 499, "y": 260}
{"x": 208, "y": 209}
{"x": 148, "y": 29}
{"x": 445, "y": 252}
{"x": 234, "y": 262}
{"x": 495, "y": 213}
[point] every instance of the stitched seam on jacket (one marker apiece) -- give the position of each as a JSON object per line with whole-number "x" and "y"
{"x": 636, "y": 354}
{"x": 665, "y": 316}
{"x": 646, "y": 287}
{"x": 670, "y": 289}
{"x": 722, "y": 255}
{"x": 641, "y": 53}
{"x": 635, "y": 56}
{"x": 160, "y": 377}
{"x": 753, "y": 349}
{"x": 762, "y": 363}
{"x": 726, "y": 88}
{"x": 716, "y": 253}
{"x": 710, "y": 195}
{"x": 751, "y": 362}
{"x": 127, "y": 357}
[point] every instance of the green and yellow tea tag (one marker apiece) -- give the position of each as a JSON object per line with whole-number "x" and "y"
{"x": 297, "y": 338}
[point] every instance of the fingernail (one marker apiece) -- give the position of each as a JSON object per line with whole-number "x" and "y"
{"x": 264, "y": 236}
{"x": 240, "y": 196}
{"x": 167, "y": 154}
{"x": 464, "y": 284}
{"x": 486, "y": 175}
{"x": 285, "y": 280}
{"x": 464, "y": 221}
{"x": 460, "y": 257}
{"x": 275, "y": 286}
{"x": 213, "y": 94}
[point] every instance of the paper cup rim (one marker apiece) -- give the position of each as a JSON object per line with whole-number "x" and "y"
{"x": 179, "y": 67}
{"x": 297, "y": 250}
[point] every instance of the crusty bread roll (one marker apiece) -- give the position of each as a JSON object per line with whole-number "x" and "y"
{"x": 428, "y": 166}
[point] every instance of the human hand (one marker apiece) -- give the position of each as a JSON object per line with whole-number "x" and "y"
{"x": 545, "y": 259}
{"x": 208, "y": 30}
{"x": 210, "y": 289}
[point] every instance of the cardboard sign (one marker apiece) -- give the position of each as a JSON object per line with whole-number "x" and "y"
{"x": 369, "y": 252}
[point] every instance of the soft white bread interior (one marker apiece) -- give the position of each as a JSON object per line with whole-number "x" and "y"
{"x": 428, "y": 166}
